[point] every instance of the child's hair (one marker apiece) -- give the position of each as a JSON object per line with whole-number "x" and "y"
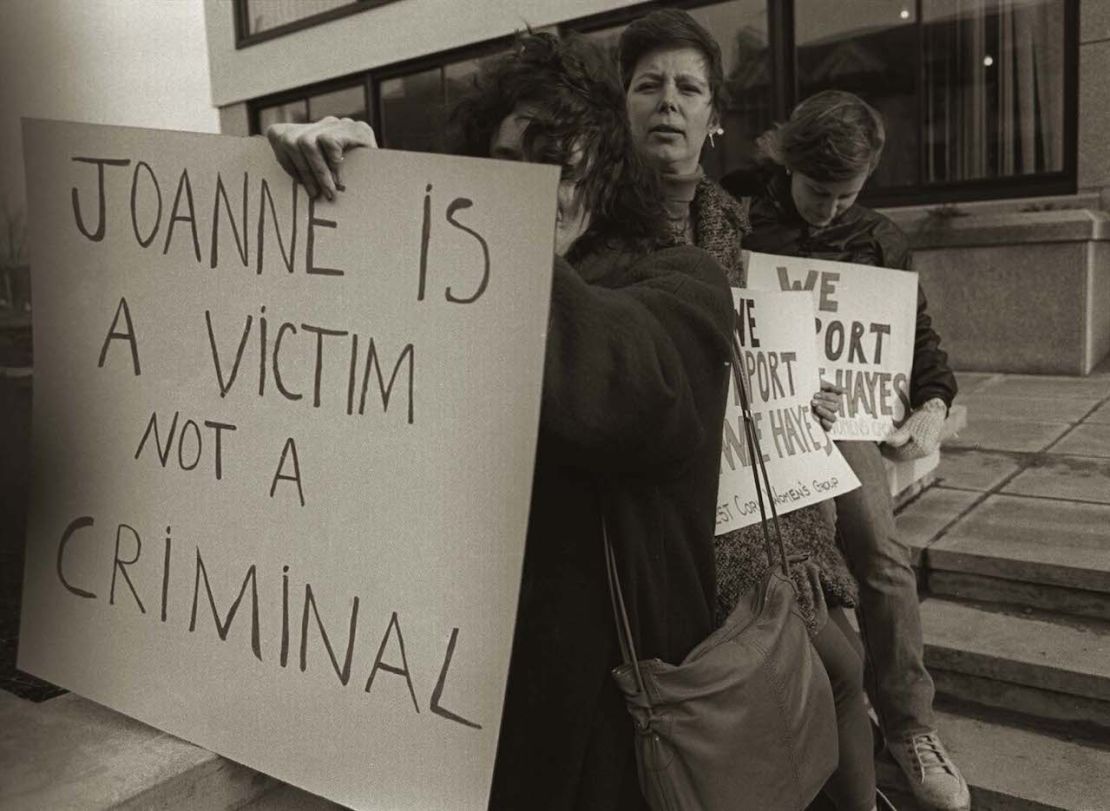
{"x": 830, "y": 136}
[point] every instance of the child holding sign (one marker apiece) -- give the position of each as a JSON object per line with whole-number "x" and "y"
{"x": 802, "y": 203}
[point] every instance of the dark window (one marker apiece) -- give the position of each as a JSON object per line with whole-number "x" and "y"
{"x": 979, "y": 98}
{"x": 974, "y": 95}
{"x": 260, "y": 20}
{"x": 341, "y": 101}
{"x": 294, "y": 112}
{"x": 869, "y": 49}
{"x": 346, "y": 102}
{"x": 993, "y": 100}
{"x": 415, "y": 105}
{"x": 741, "y": 28}
{"x": 266, "y": 15}
{"x": 412, "y": 110}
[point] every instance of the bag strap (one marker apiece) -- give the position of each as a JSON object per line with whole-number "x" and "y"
{"x": 616, "y": 595}
{"x": 620, "y": 616}
{"x": 755, "y": 457}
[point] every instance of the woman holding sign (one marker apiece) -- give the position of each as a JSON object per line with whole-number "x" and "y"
{"x": 674, "y": 81}
{"x": 802, "y": 203}
{"x": 634, "y": 391}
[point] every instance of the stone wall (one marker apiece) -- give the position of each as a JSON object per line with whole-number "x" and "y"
{"x": 1094, "y": 98}
{"x": 1019, "y": 292}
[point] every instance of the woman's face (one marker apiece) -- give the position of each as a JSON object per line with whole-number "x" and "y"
{"x": 670, "y": 107}
{"x": 822, "y": 201}
{"x": 572, "y": 218}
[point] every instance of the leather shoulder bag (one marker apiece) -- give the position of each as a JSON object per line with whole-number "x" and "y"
{"x": 747, "y": 720}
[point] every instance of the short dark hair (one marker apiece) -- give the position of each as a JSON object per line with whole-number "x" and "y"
{"x": 578, "y": 103}
{"x": 673, "y": 28}
{"x": 832, "y": 135}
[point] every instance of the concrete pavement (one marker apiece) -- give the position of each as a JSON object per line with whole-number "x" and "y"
{"x": 1012, "y": 543}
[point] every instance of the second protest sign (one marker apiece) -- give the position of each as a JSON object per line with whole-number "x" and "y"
{"x": 283, "y": 450}
{"x": 865, "y": 332}
{"x": 778, "y": 365}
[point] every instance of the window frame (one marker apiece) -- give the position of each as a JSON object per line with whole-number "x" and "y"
{"x": 420, "y": 64}
{"x": 255, "y": 106}
{"x": 1061, "y": 182}
{"x": 781, "y": 15}
{"x": 241, "y": 17}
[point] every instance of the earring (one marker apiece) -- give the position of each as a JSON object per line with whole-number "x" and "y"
{"x": 718, "y": 131}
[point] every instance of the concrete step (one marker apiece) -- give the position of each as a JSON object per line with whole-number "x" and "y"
{"x": 1008, "y": 769}
{"x": 1025, "y": 551}
{"x": 1055, "y": 671}
{"x": 290, "y": 798}
{"x": 1012, "y": 769}
{"x": 69, "y": 753}
{"x": 1078, "y": 603}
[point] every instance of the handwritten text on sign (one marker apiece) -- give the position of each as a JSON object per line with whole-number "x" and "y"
{"x": 778, "y": 365}
{"x": 866, "y": 318}
{"x": 280, "y": 494}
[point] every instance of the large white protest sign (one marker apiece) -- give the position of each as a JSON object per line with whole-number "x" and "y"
{"x": 778, "y": 365}
{"x": 283, "y": 450}
{"x": 866, "y": 320}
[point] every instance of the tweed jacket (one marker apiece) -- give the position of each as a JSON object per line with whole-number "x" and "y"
{"x": 720, "y": 223}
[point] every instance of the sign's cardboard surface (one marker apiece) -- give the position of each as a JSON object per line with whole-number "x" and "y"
{"x": 283, "y": 450}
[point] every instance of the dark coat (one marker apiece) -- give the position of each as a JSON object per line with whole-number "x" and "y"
{"x": 721, "y": 227}
{"x": 633, "y": 400}
{"x": 859, "y": 235}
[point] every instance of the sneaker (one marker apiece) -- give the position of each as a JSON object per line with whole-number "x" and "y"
{"x": 935, "y": 781}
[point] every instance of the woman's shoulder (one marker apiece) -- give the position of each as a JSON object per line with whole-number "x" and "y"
{"x": 721, "y": 224}
{"x": 618, "y": 265}
{"x": 686, "y": 260}
{"x": 687, "y": 273}
{"x": 716, "y": 206}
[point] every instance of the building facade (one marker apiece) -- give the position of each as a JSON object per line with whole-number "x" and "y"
{"x": 984, "y": 99}
{"x": 993, "y": 108}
